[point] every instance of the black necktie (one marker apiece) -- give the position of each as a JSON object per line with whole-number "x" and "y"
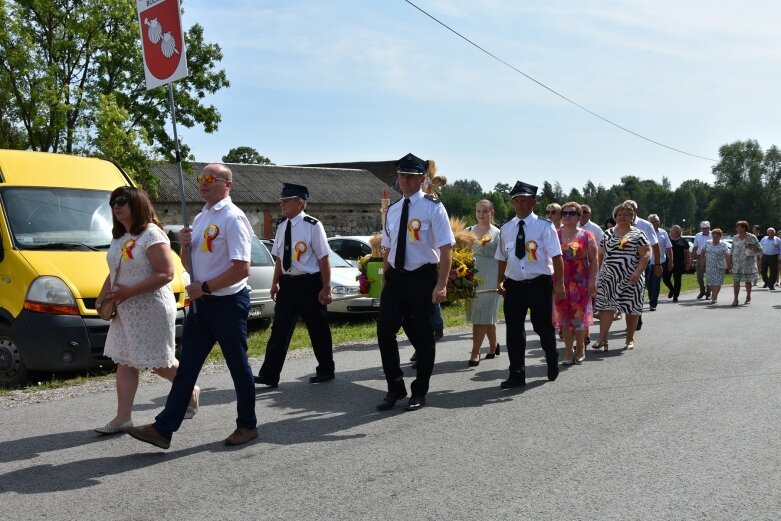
{"x": 288, "y": 246}
{"x": 520, "y": 241}
{"x": 401, "y": 242}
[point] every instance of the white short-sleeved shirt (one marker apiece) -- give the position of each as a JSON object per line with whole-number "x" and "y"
{"x": 701, "y": 240}
{"x": 542, "y": 245}
{"x": 308, "y": 244}
{"x": 595, "y": 229}
{"x": 648, "y": 229}
{"x": 229, "y": 238}
{"x": 770, "y": 246}
{"x": 427, "y": 230}
{"x": 664, "y": 245}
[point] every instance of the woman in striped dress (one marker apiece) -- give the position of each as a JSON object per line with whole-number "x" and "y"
{"x": 624, "y": 254}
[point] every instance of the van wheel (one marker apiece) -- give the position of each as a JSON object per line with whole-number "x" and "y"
{"x": 12, "y": 369}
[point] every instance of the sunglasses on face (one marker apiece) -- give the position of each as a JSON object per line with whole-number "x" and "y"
{"x": 569, "y": 213}
{"x": 209, "y": 178}
{"x": 119, "y": 201}
{"x": 551, "y": 212}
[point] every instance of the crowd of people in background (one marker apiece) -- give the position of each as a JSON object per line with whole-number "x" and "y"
{"x": 561, "y": 269}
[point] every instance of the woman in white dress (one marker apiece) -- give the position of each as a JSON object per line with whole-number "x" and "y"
{"x": 141, "y": 334}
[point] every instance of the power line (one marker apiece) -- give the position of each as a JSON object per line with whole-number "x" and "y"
{"x": 562, "y": 96}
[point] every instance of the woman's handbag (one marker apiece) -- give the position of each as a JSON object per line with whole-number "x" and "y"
{"x": 108, "y": 310}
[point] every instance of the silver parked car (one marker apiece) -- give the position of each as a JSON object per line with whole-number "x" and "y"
{"x": 260, "y": 276}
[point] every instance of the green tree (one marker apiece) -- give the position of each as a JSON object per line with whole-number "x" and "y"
{"x": 503, "y": 188}
{"x": 746, "y": 186}
{"x": 471, "y": 187}
{"x": 60, "y": 56}
{"x": 245, "y": 155}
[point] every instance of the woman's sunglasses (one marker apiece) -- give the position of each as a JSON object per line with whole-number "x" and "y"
{"x": 569, "y": 213}
{"x": 209, "y": 178}
{"x": 119, "y": 201}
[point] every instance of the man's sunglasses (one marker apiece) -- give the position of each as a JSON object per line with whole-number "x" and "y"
{"x": 209, "y": 178}
{"x": 119, "y": 201}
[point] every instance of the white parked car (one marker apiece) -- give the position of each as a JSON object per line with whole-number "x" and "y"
{"x": 344, "y": 282}
{"x": 351, "y": 248}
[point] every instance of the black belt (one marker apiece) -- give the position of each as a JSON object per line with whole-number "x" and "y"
{"x": 526, "y": 282}
{"x": 420, "y": 269}
{"x": 304, "y": 276}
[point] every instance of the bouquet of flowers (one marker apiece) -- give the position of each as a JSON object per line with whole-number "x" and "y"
{"x": 462, "y": 280}
{"x": 375, "y": 255}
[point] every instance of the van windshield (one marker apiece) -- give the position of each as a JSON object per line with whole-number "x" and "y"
{"x": 58, "y": 218}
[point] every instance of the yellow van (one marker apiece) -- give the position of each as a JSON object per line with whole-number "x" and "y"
{"x": 55, "y": 229}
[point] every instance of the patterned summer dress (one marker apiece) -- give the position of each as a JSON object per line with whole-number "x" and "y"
{"x": 744, "y": 260}
{"x": 142, "y": 333}
{"x": 621, "y": 259}
{"x": 574, "y": 311}
{"x": 715, "y": 262}
{"x": 484, "y": 309}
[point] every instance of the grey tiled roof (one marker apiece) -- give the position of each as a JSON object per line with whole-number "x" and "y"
{"x": 263, "y": 184}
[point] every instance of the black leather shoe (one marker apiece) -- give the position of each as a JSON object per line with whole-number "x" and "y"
{"x": 438, "y": 333}
{"x": 553, "y": 372}
{"x": 474, "y": 363}
{"x": 512, "y": 383}
{"x": 260, "y": 379}
{"x": 415, "y": 403}
{"x": 320, "y": 378}
{"x": 390, "y": 400}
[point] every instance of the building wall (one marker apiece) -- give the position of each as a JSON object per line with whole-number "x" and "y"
{"x": 337, "y": 219}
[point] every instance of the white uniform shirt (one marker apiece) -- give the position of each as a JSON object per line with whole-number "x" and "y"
{"x": 595, "y": 229}
{"x": 427, "y": 230}
{"x": 770, "y": 246}
{"x": 542, "y": 244}
{"x": 220, "y": 234}
{"x": 308, "y": 244}
{"x": 664, "y": 244}
{"x": 701, "y": 240}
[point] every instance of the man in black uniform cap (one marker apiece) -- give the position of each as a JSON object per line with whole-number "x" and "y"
{"x": 418, "y": 252}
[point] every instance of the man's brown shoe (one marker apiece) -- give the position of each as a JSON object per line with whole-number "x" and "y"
{"x": 241, "y": 436}
{"x": 148, "y": 434}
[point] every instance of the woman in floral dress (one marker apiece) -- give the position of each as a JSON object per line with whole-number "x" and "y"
{"x": 717, "y": 260}
{"x": 573, "y": 314}
{"x": 745, "y": 247}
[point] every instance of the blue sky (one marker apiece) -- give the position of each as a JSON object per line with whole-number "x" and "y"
{"x": 316, "y": 81}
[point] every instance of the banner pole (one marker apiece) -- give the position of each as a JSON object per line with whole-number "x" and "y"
{"x": 182, "y": 196}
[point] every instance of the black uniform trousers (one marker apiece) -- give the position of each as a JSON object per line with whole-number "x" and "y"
{"x": 770, "y": 264}
{"x": 408, "y": 293}
{"x": 298, "y": 296}
{"x": 520, "y": 297}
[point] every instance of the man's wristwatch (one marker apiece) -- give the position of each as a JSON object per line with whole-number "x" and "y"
{"x": 205, "y": 288}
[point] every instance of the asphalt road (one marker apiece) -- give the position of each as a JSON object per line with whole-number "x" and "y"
{"x": 686, "y": 426}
